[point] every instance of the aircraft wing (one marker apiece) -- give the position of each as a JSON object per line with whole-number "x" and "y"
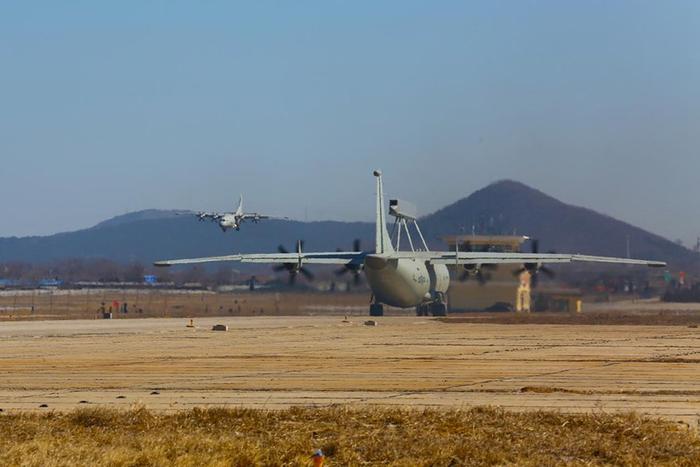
{"x": 459, "y": 258}
{"x": 212, "y": 216}
{"x": 336, "y": 257}
{"x": 210, "y": 259}
{"x": 436, "y": 257}
{"x": 256, "y": 217}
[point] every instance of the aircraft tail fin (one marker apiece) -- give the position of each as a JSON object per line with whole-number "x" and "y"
{"x": 239, "y": 209}
{"x": 382, "y": 239}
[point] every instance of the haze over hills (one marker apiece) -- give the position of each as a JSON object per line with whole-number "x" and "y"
{"x": 503, "y": 207}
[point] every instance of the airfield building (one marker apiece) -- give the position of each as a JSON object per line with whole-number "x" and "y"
{"x": 499, "y": 288}
{"x": 503, "y": 288}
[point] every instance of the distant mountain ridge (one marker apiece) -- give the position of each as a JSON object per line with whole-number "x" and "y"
{"x": 145, "y": 215}
{"x": 503, "y": 207}
{"x": 508, "y": 206}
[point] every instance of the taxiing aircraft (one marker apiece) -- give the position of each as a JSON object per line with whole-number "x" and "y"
{"x": 231, "y": 220}
{"x": 416, "y": 277}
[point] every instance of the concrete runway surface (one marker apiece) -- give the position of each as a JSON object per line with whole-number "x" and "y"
{"x": 276, "y": 362}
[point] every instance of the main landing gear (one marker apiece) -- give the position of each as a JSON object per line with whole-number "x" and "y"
{"x": 436, "y": 308}
{"x": 423, "y": 309}
{"x": 376, "y": 309}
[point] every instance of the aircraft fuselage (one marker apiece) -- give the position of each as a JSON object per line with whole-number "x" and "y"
{"x": 229, "y": 221}
{"x": 405, "y": 282}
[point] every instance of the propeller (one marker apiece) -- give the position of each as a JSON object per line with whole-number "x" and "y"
{"x": 353, "y": 268}
{"x": 535, "y": 268}
{"x": 294, "y": 268}
{"x": 477, "y": 270}
{"x": 212, "y": 216}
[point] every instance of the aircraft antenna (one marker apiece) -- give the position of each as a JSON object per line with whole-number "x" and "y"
{"x": 405, "y": 215}
{"x": 408, "y": 234}
{"x": 398, "y": 234}
{"x": 420, "y": 234}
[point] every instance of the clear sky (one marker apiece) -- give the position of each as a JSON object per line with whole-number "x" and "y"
{"x": 109, "y": 107}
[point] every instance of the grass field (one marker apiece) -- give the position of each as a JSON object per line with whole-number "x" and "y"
{"x": 248, "y": 437}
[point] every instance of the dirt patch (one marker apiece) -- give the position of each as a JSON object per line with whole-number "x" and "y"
{"x": 688, "y": 318}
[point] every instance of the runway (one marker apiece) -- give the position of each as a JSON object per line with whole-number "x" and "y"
{"x": 281, "y": 361}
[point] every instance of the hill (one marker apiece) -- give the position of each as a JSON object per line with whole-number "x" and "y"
{"x": 179, "y": 236}
{"x": 502, "y": 207}
{"x": 507, "y": 207}
{"x": 145, "y": 215}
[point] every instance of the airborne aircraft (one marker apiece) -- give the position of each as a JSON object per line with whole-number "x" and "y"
{"x": 416, "y": 277}
{"x": 231, "y": 220}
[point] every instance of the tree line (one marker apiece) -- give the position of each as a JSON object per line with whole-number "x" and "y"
{"x": 75, "y": 270}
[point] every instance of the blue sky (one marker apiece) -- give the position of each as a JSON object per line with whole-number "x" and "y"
{"x": 113, "y": 107}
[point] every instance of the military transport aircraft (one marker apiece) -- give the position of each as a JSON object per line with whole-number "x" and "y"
{"x": 416, "y": 277}
{"x": 231, "y": 220}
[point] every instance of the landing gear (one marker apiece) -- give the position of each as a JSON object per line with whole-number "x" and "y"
{"x": 439, "y": 306}
{"x": 376, "y": 309}
{"x": 423, "y": 309}
{"x": 438, "y": 309}
{"x": 435, "y": 308}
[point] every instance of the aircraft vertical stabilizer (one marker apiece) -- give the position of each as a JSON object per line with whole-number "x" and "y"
{"x": 239, "y": 210}
{"x": 383, "y": 240}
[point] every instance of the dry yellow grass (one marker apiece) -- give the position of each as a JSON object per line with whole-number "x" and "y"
{"x": 217, "y": 436}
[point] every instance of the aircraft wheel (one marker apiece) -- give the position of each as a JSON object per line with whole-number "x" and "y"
{"x": 439, "y": 309}
{"x": 376, "y": 309}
